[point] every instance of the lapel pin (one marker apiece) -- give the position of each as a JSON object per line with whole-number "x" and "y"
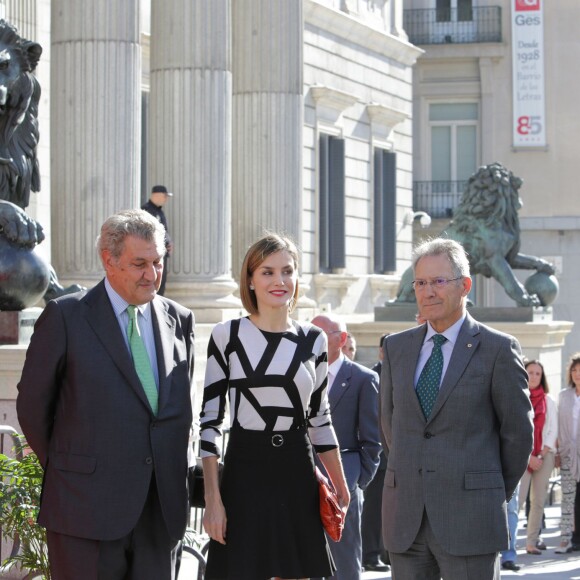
{"x": 468, "y": 345}
{"x": 344, "y": 384}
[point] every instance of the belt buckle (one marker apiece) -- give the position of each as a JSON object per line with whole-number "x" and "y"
{"x": 277, "y": 440}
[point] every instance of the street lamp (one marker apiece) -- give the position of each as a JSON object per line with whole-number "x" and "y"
{"x": 411, "y": 216}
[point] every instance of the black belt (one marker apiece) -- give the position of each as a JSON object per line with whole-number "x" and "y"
{"x": 266, "y": 438}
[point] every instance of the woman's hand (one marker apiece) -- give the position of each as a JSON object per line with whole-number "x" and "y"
{"x": 333, "y": 465}
{"x": 535, "y": 463}
{"x": 215, "y": 521}
{"x": 343, "y": 495}
{"x": 214, "y": 517}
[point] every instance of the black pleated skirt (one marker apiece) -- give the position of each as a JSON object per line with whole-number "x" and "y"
{"x": 270, "y": 494}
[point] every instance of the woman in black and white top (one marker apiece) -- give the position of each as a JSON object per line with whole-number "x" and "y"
{"x": 263, "y": 520}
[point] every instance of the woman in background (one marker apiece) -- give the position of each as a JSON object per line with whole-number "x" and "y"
{"x": 541, "y": 465}
{"x": 264, "y": 519}
{"x": 569, "y": 450}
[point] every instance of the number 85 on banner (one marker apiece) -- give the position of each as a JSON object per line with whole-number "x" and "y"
{"x": 529, "y": 125}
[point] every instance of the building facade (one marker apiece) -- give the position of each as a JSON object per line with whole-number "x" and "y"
{"x": 286, "y": 115}
{"x": 330, "y": 120}
{"x": 483, "y": 92}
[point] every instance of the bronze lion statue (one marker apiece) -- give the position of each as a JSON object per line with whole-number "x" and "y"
{"x": 486, "y": 224}
{"x": 24, "y": 276}
{"x": 19, "y": 97}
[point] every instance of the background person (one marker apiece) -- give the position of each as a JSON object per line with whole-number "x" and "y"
{"x": 110, "y": 418}
{"x": 264, "y": 520}
{"x": 541, "y": 464}
{"x": 454, "y": 414}
{"x": 154, "y": 206}
{"x": 349, "y": 348}
{"x": 353, "y": 396}
{"x": 576, "y": 532}
{"x": 509, "y": 557}
{"x": 569, "y": 450}
{"x": 375, "y": 557}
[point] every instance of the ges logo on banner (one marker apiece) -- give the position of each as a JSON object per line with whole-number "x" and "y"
{"x": 527, "y": 5}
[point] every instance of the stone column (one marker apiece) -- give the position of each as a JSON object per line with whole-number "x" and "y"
{"x": 267, "y": 120}
{"x": 23, "y": 15}
{"x": 396, "y": 7}
{"x": 96, "y": 127}
{"x": 189, "y": 148}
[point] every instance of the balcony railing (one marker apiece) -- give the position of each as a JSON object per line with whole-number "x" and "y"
{"x": 438, "y": 198}
{"x": 453, "y": 25}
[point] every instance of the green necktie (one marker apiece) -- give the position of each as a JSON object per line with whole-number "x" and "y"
{"x": 428, "y": 385}
{"x": 141, "y": 359}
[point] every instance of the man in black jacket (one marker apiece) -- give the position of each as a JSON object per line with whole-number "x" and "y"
{"x": 158, "y": 198}
{"x": 105, "y": 401}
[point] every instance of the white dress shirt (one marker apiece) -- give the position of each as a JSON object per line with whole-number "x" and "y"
{"x": 333, "y": 370}
{"x": 145, "y": 321}
{"x": 451, "y": 335}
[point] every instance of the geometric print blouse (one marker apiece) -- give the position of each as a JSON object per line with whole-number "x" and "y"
{"x": 273, "y": 381}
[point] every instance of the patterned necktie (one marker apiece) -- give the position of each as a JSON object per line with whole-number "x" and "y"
{"x": 141, "y": 359}
{"x": 428, "y": 385}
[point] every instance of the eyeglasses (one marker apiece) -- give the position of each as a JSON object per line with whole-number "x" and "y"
{"x": 436, "y": 282}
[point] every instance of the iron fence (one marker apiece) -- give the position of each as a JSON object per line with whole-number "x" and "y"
{"x": 438, "y": 198}
{"x": 464, "y": 24}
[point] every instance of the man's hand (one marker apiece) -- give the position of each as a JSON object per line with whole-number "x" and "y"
{"x": 18, "y": 227}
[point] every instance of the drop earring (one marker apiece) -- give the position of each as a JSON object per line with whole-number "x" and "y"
{"x": 251, "y": 287}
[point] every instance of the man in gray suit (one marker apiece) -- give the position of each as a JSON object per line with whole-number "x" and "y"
{"x": 105, "y": 402}
{"x": 353, "y": 398}
{"x": 456, "y": 419}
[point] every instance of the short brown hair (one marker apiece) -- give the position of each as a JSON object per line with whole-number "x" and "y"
{"x": 574, "y": 360}
{"x": 267, "y": 245}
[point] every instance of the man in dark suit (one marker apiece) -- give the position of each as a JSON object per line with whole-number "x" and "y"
{"x": 353, "y": 397}
{"x": 349, "y": 348}
{"x": 374, "y": 557}
{"x": 105, "y": 401}
{"x": 154, "y": 206}
{"x": 456, "y": 419}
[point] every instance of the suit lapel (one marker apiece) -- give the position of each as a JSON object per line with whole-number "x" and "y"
{"x": 101, "y": 318}
{"x": 341, "y": 384}
{"x": 164, "y": 331}
{"x": 465, "y": 346}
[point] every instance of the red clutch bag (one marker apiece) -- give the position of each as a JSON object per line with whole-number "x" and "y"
{"x": 331, "y": 514}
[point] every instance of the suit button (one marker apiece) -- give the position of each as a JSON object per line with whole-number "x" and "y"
{"x": 154, "y": 425}
{"x": 427, "y": 435}
{"x": 149, "y": 460}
